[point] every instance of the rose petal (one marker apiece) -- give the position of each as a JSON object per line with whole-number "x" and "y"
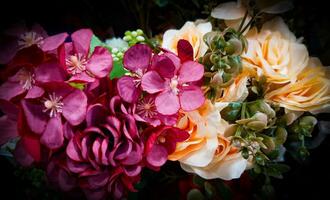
{"x": 167, "y": 103}
{"x": 100, "y": 62}
{"x": 191, "y": 98}
{"x": 190, "y": 71}
{"x": 137, "y": 57}
{"x": 127, "y": 89}
{"x": 53, "y": 137}
{"x": 74, "y": 108}
{"x": 152, "y": 82}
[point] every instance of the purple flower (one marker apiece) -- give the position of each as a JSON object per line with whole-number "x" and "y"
{"x": 173, "y": 84}
{"x": 136, "y": 59}
{"x": 82, "y": 66}
{"x": 44, "y": 113}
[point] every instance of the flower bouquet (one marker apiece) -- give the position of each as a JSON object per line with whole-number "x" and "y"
{"x": 231, "y": 93}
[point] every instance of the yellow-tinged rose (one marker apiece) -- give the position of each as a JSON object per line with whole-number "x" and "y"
{"x": 275, "y": 53}
{"x": 207, "y": 152}
{"x": 191, "y": 32}
{"x": 311, "y": 91}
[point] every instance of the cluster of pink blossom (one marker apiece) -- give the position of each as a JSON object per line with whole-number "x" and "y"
{"x": 100, "y": 136}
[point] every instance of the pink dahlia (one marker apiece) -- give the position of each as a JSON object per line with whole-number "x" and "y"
{"x": 45, "y": 114}
{"x": 137, "y": 60}
{"x": 85, "y": 66}
{"x": 173, "y": 82}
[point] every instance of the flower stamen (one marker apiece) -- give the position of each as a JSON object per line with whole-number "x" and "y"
{"x": 53, "y": 104}
{"x": 76, "y": 63}
{"x": 28, "y": 39}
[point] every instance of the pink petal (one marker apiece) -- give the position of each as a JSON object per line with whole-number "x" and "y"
{"x": 134, "y": 157}
{"x": 65, "y": 181}
{"x": 98, "y": 180}
{"x": 175, "y": 59}
{"x": 32, "y": 146}
{"x": 53, "y": 137}
{"x": 8, "y": 129}
{"x": 123, "y": 150}
{"x": 191, "y": 98}
{"x": 168, "y": 120}
{"x": 73, "y": 151}
{"x": 104, "y": 151}
{"x": 49, "y": 71}
{"x": 53, "y": 42}
{"x": 163, "y": 65}
{"x": 127, "y": 89}
{"x": 152, "y": 82}
{"x": 22, "y": 156}
{"x": 132, "y": 170}
{"x": 190, "y": 71}
{"x": 82, "y": 77}
{"x": 96, "y": 150}
{"x": 74, "y": 108}
{"x": 34, "y": 92}
{"x": 39, "y": 30}
{"x": 81, "y": 40}
{"x": 100, "y": 62}
{"x": 10, "y": 109}
{"x": 76, "y": 167}
{"x": 67, "y": 131}
{"x": 137, "y": 57}
{"x": 35, "y": 118}
{"x": 185, "y": 51}
{"x": 167, "y": 103}
{"x": 9, "y": 90}
{"x": 157, "y": 156}
{"x": 96, "y": 114}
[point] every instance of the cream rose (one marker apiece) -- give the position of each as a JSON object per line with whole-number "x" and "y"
{"x": 207, "y": 152}
{"x": 191, "y": 32}
{"x": 311, "y": 91}
{"x": 275, "y": 53}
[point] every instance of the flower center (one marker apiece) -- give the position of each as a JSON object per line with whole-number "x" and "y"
{"x": 53, "y": 104}
{"x": 161, "y": 139}
{"x": 146, "y": 108}
{"x": 76, "y": 63}
{"x": 28, "y": 39}
{"x": 26, "y": 79}
{"x": 174, "y": 85}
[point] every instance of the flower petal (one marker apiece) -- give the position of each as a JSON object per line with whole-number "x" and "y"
{"x": 100, "y": 62}
{"x": 228, "y": 10}
{"x": 35, "y": 118}
{"x": 49, "y": 71}
{"x": 81, "y": 40}
{"x": 191, "y": 98}
{"x": 157, "y": 156}
{"x": 167, "y": 103}
{"x": 152, "y": 82}
{"x": 190, "y": 71}
{"x": 34, "y": 92}
{"x": 96, "y": 115}
{"x": 127, "y": 89}
{"x": 53, "y": 42}
{"x": 163, "y": 65}
{"x": 8, "y": 129}
{"x": 137, "y": 57}
{"x": 74, "y": 108}
{"x": 185, "y": 51}
{"x": 53, "y": 137}
{"x": 10, "y": 89}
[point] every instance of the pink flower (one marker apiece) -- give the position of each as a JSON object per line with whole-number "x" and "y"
{"x": 25, "y": 81}
{"x": 43, "y": 114}
{"x": 136, "y": 59}
{"x": 78, "y": 62}
{"x": 160, "y": 142}
{"x": 173, "y": 84}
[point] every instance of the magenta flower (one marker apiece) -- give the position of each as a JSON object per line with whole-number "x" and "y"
{"x": 25, "y": 81}
{"x": 20, "y": 37}
{"x": 147, "y": 112}
{"x": 78, "y": 62}
{"x": 44, "y": 113}
{"x": 160, "y": 142}
{"x": 8, "y": 121}
{"x": 173, "y": 84}
{"x": 136, "y": 59}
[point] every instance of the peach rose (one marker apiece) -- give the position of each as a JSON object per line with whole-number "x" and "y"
{"x": 207, "y": 152}
{"x": 191, "y": 32}
{"x": 275, "y": 52}
{"x": 311, "y": 91}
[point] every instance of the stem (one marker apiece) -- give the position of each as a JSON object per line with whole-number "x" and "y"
{"x": 243, "y": 20}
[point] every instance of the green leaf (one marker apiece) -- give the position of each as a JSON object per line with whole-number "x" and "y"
{"x": 94, "y": 43}
{"x": 79, "y": 86}
{"x": 117, "y": 70}
{"x": 195, "y": 194}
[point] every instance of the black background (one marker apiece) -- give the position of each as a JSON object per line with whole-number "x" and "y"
{"x": 309, "y": 19}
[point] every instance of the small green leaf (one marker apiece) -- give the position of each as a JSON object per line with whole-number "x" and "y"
{"x": 195, "y": 194}
{"x": 79, "y": 86}
{"x": 117, "y": 70}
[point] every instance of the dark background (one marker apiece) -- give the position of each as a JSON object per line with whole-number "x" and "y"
{"x": 309, "y": 19}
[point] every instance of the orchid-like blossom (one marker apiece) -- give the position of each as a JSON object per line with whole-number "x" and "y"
{"x": 43, "y": 113}
{"x": 136, "y": 59}
{"x": 25, "y": 81}
{"x": 172, "y": 80}
{"x": 107, "y": 154}
{"x": 160, "y": 142}
{"x": 85, "y": 66}
{"x": 21, "y": 37}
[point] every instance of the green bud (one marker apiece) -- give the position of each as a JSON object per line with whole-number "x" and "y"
{"x": 307, "y": 124}
{"x": 139, "y": 32}
{"x": 140, "y": 38}
{"x": 120, "y": 54}
{"x": 127, "y": 32}
{"x": 127, "y": 38}
{"x": 245, "y": 153}
{"x": 134, "y": 33}
{"x": 280, "y": 135}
